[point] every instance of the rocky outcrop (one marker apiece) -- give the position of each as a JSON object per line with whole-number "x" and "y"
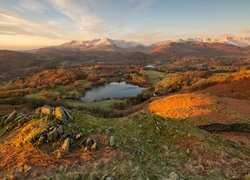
{"x": 46, "y": 110}
{"x": 60, "y": 113}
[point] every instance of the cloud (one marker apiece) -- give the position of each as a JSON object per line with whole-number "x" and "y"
{"x": 141, "y": 4}
{"x": 13, "y": 24}
{"x": 78, "y": 12}
{"x": 34, "y": 6}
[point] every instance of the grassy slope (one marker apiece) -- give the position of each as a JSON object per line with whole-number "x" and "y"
{"x": 154, "y": 77}
{"x": 152, "y": 147}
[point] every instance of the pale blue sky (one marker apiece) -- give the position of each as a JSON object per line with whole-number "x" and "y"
{"x": 35, "y": 23}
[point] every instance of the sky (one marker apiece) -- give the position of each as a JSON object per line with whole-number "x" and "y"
{"x": 28, "y": 24}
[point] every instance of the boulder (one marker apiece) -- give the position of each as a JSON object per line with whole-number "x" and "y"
{"x": 110, "y": 130}
{"x": 112, "y": 141}
{"x": 66, "y": 145}
{"x": 47, "y": 110}
{"x": 91, "y": 144}
{"x": 78, "y": 135}
{"x": 62, "y": 114}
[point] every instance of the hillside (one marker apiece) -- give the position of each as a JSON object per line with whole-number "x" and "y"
{"x": 182, "y": 150}
{"x": 181, "y": 111}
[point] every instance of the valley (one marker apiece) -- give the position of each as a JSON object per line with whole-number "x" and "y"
{"x": 113, "y": 109}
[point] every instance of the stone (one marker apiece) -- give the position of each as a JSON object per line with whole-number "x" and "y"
{"x": 11, "y": 117}
{"x": 165, "y": 147}
{"x": 53, "y": 135}
{"x": 60, "y": 114}
{"x": 69, "y": 116}
{"x": 112, "y": 141}
{"x": 66, "y": 145}
{"x": 174, "y": 176}
{"x": 94, "y": 147}
{"x": 109, "y": 178}
{"x": 59, "y": 154}
{"x": 63, "y": 114}
{"x": 41, "y": 139}
{"x": 64, "y": 136}
{"x": 47, "y": 110}
{"x": 60, "y": 130}
{"x": 110, "y": 130}
{"x": 91, "y": 144}
{"x": 78, "y": 135}
{"x": 26, "y": 168}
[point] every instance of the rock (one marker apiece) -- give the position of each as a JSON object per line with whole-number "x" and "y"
{"x": 66, "y": 145}
{"x": 91, "y": 144}
{"x": 41, "y": 139}
{"x": 53, "y": 135}
{"x": 26, "y": 168}
{"x": 109, "y": 178}
{"x": 11, "y": 117}
{"x": 174, "y": 176}
{"x": 63, "y": 114}
{"x": 69, "y": 116}
{"x": 78, "y": 135}
{"x": 60, "y": 114}
{"x": 59, "y": 154}
{"x": 110, "y": 130}
{"x": 47, "y": 110}
{"x": 64, "y": 136}
{"x": 60, "y": 130}
{"x": 94, "y": 147}
{"x": 165, "y": 147}
{"x": 112, "y": 141}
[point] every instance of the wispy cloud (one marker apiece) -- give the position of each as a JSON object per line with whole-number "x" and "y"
{"x": 78, "y": 12}
{"x": 142, "y": 4}
{"x": 34, "y": 6}
{"x": 13, "y": 24}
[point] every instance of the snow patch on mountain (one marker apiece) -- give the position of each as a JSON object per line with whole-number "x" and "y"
{"x": 103, "y": 42}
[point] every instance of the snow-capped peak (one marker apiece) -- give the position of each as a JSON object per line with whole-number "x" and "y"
{"x": 232, "y": 40}
{"x": 103, "y": 42}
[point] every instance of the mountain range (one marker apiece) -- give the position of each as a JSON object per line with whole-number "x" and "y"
{"x": 226, "y": 44}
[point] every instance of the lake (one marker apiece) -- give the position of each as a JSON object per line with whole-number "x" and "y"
{"x": 111, "y": 90}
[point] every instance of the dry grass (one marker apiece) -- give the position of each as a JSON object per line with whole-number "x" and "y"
{"x": 182, "y": 105}
{"x": 17, "y": 150}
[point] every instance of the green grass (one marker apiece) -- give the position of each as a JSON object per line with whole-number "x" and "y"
{"x": 151, "y": 147}
{"x": 105, "y": 104}
{"x": 62, "y": 89}
{"x": 141, "y": 142}
{"x": 154, "y": 77}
